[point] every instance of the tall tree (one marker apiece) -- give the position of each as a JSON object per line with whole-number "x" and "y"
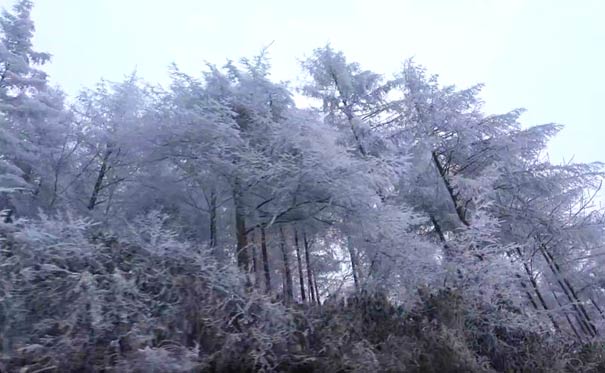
{"x": 301, "y": 278}
{"x": 289, "y": 287}
{"x": 31, "y": 115}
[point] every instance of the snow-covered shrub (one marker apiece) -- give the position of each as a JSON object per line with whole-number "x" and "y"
{"x": 71, "y": 299}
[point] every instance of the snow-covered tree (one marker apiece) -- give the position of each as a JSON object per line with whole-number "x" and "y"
{"x": 32, "y": 121}
{"x": 213, "y": 225}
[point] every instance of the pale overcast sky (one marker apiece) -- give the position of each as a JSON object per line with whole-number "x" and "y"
{"x": 545, "y": 55}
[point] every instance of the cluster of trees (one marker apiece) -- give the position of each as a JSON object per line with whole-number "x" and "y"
{"x": 384, "y": 185}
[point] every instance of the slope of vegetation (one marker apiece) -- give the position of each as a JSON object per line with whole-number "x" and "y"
{"x": 82, "y": 302}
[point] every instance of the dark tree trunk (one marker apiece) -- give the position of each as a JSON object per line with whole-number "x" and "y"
{"x": 534, "y": 285}
{"x": 595, "y": 304}
{"x": 213, "y": 229}
{"x": 574, "y": 294}
{"x": 529, "y": 296}
{"x": 243, "y": 260}
{"x": 348, "y": 111}
{"x": 308, "y": 262}
{"x": 92, "y": 202}
{"x": 263, "y": 245}
{"x": 301, "y": 279}
{"x": 571, "y": 325}
{"x": 254, "y": 258}
{"x": 289, "y": 288}
{"x": 447, "y": 250}
{"x": 450, "y": 189}
{"x": 585, "y": 321}
{"x": 353, "y": 263}
{"x": 316, "y": 289}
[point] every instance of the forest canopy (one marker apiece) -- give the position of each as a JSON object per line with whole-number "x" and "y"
{"x": 390, "y": 224}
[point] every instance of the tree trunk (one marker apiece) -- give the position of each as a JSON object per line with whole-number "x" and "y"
{"x": 308, "y": 262}
{"x": 301, "y": 279}
{"x": 263, "y": 245}
{"x": 571, "y": 325}
{"x": 348, "y": 111}
{"x": 447, "y": 251}
{"x": 243, "y": 260}
{"x": 289, "y": 288}
{"x": 446, "y": 248}
{"x": 529, "y": 296}
{"x": 453, "y": 195}
{"x": 316, "y": 289}
{"x": 92, "y": 202}
{"x": 254, "y": 258}
{"x": 597, "y": 307}
{"x": 353, "y": 262}
{"x": 574, "y": 293}
{"x": 213, "y": 232}
{"x": 534, "y": 285}
{"x": 585, "y": 322}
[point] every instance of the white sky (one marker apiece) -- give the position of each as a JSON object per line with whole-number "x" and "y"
{"x": 545, "y": 55}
